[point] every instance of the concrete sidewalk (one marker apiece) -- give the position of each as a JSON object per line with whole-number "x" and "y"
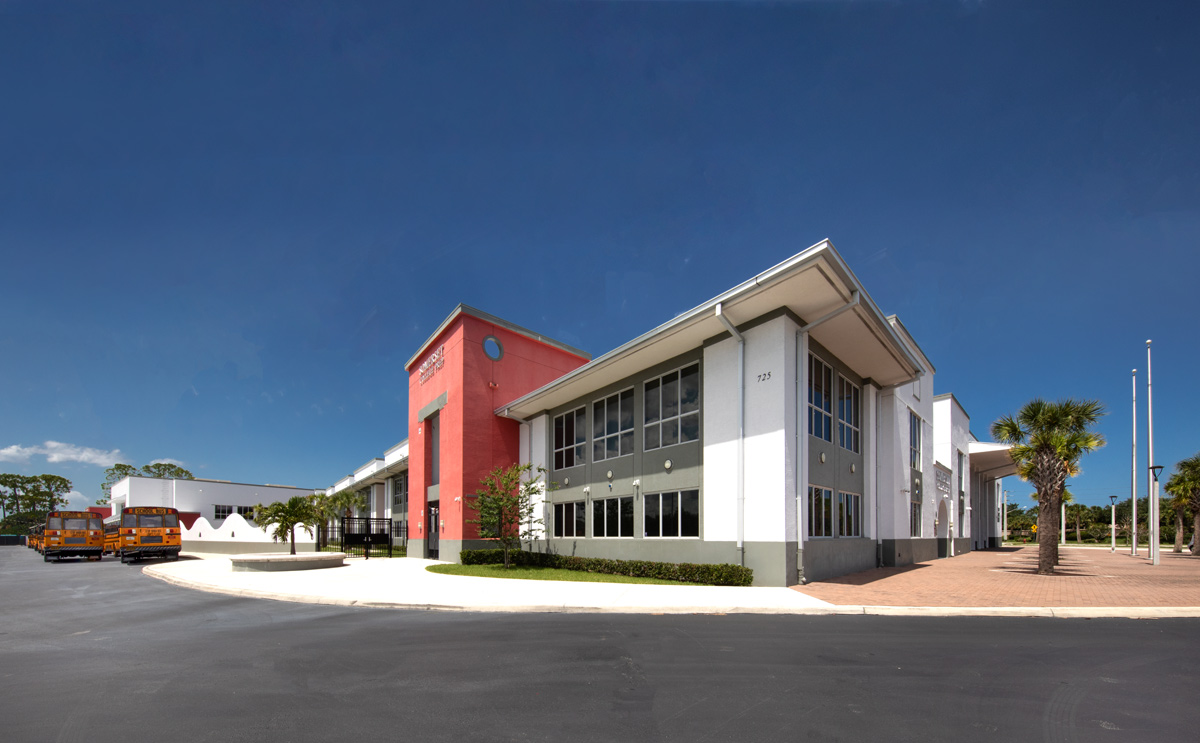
{"x": 404, "y": 583}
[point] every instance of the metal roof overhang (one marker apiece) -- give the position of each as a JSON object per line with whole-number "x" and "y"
{"x": 811, "y": 284}
{"x": 990, "y": 459}
{"x": 382, "y": 474}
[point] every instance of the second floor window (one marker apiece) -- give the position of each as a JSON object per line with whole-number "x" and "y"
{"x": 399, "y": 493}
{"x": 672, "y": 408}
{"x": 570, "y": 438}
{"x": 612, "y": 426}
{"x": 849, "y": 415}
{"x": 914, "y": 441}
{"x": 820, "y": 399}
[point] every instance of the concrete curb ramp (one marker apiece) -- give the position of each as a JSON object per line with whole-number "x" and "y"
{"x": 378, "y": 584}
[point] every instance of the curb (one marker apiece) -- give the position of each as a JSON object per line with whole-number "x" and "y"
{"x": 1044, "y": 612}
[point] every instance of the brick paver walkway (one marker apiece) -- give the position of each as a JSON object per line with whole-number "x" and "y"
{"x": 1008, "y": 577}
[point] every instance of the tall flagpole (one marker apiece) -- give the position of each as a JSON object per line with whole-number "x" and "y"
{"x": 1133, "y": 471}
{"x": 1153, "y": 483}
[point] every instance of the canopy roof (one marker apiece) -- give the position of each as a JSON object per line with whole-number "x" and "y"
{"x": 991, "y": 459}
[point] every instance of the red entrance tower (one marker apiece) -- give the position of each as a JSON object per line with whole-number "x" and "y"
{"x": 473, "y": 364}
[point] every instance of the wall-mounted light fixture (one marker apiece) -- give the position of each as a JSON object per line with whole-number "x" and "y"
{"x": 667, "y": 465}
{"x": 822, "y": 457}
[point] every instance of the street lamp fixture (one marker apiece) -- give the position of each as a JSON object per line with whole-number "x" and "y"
{"x": 1155, "y": 469}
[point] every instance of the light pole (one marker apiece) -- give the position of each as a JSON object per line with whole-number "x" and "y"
{"x": 1152, "y": 486}
{"x": 1113, "y": 528}
{"x": 1155, "y": 469}
{"x": 1133, "y": 487}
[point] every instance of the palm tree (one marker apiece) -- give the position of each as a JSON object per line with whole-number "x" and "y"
{"x": 1184, "y": 487}
{"x": 346, "y": 502}
{"x": 1048, "y": 439}
{"x": 285, "y": 517}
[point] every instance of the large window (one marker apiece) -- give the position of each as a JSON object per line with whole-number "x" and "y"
{"x": 570, "y": 519}
{"x": 612, "y": 517}
{"x": 672, "y": 514}
{"x": 612, "y": 426}
{"x": 849, "y": 415}
{"x": 220, "y": 513}
{"x": 399, "y": 493}
{"x": 962, "y": 495}
{"x": 914, "y": 441}
{"x": 820, "y": 512}
{"x": 570, "y": 438}
{"x": 914, "y": 518}
{"x": 820, "y": 399}
{"x": 672, "y": 408}
{"x": 849, "y": 515}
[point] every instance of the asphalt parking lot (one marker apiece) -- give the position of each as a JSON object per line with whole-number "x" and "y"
{"x": 103, "y": 652}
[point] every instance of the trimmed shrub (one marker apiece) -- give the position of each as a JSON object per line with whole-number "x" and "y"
{"x": 706, "y": 574}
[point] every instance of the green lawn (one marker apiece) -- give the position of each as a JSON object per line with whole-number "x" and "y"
{"x": 537, "y": 573}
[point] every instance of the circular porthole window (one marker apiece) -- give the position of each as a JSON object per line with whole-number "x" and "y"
{"x": 493, "y": 348}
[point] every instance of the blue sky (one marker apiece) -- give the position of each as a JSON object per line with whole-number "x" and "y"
{"x": 225, "y": 227}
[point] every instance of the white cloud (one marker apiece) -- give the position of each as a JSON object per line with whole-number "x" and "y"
{"x": 175, "y": 462}
{"x": 78, "y": 501}
{"x": 17, "y": 453}
{"x": 56, "y": 452}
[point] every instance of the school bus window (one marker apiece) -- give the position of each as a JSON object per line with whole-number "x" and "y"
{"x": 55, "y": 522}
{"x": 129, "y": 520}
{"x": 151, "y": 521}
{"x": 171, "y": 521}
{"x": 75, "y": 524}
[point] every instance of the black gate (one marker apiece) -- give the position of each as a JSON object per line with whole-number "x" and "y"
{"x": 362, "y": 536}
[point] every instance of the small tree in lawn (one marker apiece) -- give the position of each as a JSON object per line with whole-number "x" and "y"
{"x": 505, "y": 506}
{"x": 286, "y": 516}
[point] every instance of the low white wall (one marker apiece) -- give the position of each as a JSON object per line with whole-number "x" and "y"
{"x": 237, "y": 536}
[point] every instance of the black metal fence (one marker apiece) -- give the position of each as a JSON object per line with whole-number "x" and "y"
{"x": 363, "y": 537}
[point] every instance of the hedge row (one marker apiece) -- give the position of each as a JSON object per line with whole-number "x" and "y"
{"x": 712, "y": 575}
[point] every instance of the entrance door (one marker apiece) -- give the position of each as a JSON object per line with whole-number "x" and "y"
{"x": 434, "y": 530}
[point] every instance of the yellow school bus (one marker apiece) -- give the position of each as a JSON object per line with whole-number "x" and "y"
{"x": 72, "y": 534}
{"x": 34, "y": 541}
{"x": 144, "y": 531}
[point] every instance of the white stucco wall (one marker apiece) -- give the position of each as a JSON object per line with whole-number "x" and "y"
{"x": 198, "y": 496}
{"x": 720, "y": 437}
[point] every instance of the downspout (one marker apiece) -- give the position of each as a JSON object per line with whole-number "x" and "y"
{"x": 741, "y": 454}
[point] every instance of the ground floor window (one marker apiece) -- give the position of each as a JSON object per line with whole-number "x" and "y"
{"x": 612, "y": 517}
{"x": 820, "y": 512}
{"x": 570, "y": 520}
{"x": 671, "y": 514}
{"x": 220, "y": 513}
{"x": 849, "y": 515}
{"x": 914, "y": 518}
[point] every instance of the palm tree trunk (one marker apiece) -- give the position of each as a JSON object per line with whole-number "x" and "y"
{"x": 1047, "y": 539}
{"x": 1178, "y": 531}
{"x": 1196, "y": 534}
{"x": 292, "y": 539}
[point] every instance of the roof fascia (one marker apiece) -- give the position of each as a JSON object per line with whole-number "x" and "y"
{"x": 778, "y": 272}
{"x": 464, "y": 309}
